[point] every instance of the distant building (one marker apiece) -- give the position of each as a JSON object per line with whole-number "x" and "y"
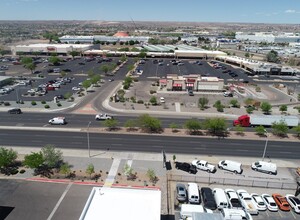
{"x": 268, "y": 37}
{"x": 193, "y": 82}
{"x": 77, "y": 39}
{"x": 5, "y": 80}
{"x": 46, "y": 49}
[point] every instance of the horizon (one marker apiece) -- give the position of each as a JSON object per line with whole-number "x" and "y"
{"x": 255, "y": 12}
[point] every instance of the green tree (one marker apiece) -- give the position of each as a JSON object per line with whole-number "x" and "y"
{"x": 104, "y": 68}
{"x": 280, "y": 129}
{"x": 65, "y": 169}
{"x": 218, "y": 105}
{"x": 52, "y": 157}
{"x": 7, "y": 157}
{"x": 34, "y": 160}
{"x": 142, "y": 55}
{"x": 260, "y": 130}
{"x": 131, "y": 124}
{"x": 86, "y": 84}
{"x": 174, "y": 127}
{"x": 95, "y": 79}
{"x": 151, "y": 175}
{"x": 215, "y": 126}
{"x": 90, "y": 170}
{"x": 193, "y": 126}
{"x": 234, "y": 103}
{"x": 266, "y": 107}
{"x": 153, "y": 100}
{"x": 54, "y": 60}
{"x": 123, "y": 58}
{"x": 247, "y": 55}
{"x": 26, "y": 60}
{"x": 202, "y": 102}
{"x": 30, "y": 66}
{"x": 111, "y": 124}
{"x": 283, "y": 108}
{"x": 272, "y": 56}
{"x": 149, "y": 124}
{"x": 297, "y": 130}
{"x": 74, "y": 53}
{"x": 91, "y": 73}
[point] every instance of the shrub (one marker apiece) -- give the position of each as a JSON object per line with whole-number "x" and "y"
{"x": 152, "y": 92}
{"x": 140, "y": 101}
{"x": 6, "y": 104}
{"x": 47, "y": 106}
{"x": 33, "y": 103}
{"x": 58, "y": 104}
{"x": 22, "y": 171}
{"x": 43, "y": 102}
{"x": 126, "y": 86}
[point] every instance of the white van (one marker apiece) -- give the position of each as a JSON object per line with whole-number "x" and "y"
{"x": 265, "y": 167}
{"x": 220, "y": 198}
{"x": 230, "y": 165}
{"x": 235, "y": 214}
{"x": 57, "y": 121}
{"x": 187, "y": 210}
{"x": 193, "y": 193}
{"x": 56, "y": 70}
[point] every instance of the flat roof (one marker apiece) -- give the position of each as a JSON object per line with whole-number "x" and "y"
{"x": 56, "y": 45}
{"x": 123, "y": 203}
{"x": 4, "y": 78}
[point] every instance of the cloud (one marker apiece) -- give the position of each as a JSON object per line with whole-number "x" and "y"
{"x": 291, "y": 11}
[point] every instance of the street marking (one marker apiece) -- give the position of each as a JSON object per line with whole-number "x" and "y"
{"x": 293, "y": 214}
{"x": 59, "y": 201}
{"x": 268, "y": 214}
{"x": 280, "y": 214}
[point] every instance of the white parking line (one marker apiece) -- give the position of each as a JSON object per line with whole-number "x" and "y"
{"x": 59, "y": 201}
{"x": 293, "y": 214}
{"x": 280, "y": 214}
{"x": 268, "y": 214}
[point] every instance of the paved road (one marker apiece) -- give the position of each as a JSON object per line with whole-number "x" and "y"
{"x": 150, "y": 143}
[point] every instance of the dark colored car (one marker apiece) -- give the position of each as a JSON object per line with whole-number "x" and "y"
{"x": 208, "y": 198}
{"x": 187, "y": 167}
{"x": 81, "y": 63}
{"x": 67, "y": 70}
{"x": 50, "y": 71}
{"x": 15, "y": 111}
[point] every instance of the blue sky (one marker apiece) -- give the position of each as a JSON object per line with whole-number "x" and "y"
{"x": 256, "y": 11}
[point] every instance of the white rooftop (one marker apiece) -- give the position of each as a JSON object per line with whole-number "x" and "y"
{"x": 55, "y": 45}
{"x": 122, "y": 203}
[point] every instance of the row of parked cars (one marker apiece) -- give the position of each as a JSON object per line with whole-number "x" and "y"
{"x": 228, "y": 165}
{"x": 230, "y": 201}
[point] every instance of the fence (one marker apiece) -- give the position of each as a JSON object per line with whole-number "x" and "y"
{"x": 237, "y": 182}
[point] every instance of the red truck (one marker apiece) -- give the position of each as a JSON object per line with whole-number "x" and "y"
{"x": 265, "y": 120}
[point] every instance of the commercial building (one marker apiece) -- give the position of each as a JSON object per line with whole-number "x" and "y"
{"x": 47, "y": 49}
{"x": 194, "y": 82}
{"x": 122, "y": 203}
{"x": 268, "y": 37}
{"x": 77, "y": 39}
{"x": 5, "y": 80}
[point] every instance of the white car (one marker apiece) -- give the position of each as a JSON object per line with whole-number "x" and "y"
{"x": 162, "y": 100}
{"x": 75, "y": 89}
{"x": 258, "y": 202}
{"x": 294, "y": 202}
{"x": 270, "y": 202}
{"x": 103, "y": 117}
{"x": 204, "y": 165}
{"x": 247, "y": 202}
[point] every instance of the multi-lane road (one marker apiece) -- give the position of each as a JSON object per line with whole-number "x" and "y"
{"x": 149, "y": 143}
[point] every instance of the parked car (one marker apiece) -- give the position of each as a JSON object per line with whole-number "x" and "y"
{"x": 258, "y": 202}
{"x": 247, "y": 202}
{"x": 281, "y": 202}
{"x": 294, "y": 202}
{"x": 265, "y": 167}
{"x": 103, "y": 117}
{"x": 234, "y": 201}
{"x": 181, "y": 193}
{"x": 187, "y": 167}
{"x": 204, "y": 165}
{"x": 232, "y": 166}
{"x": 15, "y": 111}
{"x": 162, "y": 100}
{"x": 67, "y": 70}
{"x": 208, "y": 198}
{"x": 76, "y": 89}
{"x": 57, "y": 121}
{"x": 270, "y": 203}
{"x": 191, "y": 93}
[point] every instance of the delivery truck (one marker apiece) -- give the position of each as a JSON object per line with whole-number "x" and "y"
{"x": 265, "y": 120}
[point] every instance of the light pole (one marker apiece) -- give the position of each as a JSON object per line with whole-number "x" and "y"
{"x": 88, "y": 138}
{"x": 266, "y": 144}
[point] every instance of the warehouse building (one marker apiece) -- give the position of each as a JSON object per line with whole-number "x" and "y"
{"x": 77, "y": 39}
{"x": 268, "y": 37}
{"x": 48, "y": 49}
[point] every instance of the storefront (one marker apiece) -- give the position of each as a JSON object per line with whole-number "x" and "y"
{"x": 177, "y": 87}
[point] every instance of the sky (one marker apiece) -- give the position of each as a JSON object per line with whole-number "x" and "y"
{"x": 251, "y": 11}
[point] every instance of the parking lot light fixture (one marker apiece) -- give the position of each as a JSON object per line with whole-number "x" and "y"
{"x": 266, "y": 144}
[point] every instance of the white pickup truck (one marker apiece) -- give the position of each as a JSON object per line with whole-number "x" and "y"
{"x": 204, "y": 165}
{"x": 247, "y": 202}
{"x": 103, "y": 117}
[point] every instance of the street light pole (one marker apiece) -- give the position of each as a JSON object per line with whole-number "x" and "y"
{"x": 88, "y": 138}
{"x": 266, "y": 144}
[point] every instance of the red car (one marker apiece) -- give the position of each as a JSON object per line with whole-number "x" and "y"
{"x": 281, "y": 202}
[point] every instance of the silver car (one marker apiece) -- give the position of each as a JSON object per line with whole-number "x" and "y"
{"x": 181, "y": 193}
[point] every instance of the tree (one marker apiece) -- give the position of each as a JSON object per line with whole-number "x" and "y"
{"x": 91, "y": 73}
{"x": 111, "y": 124}
{"x": 193, "y": 126}
{"x": 26, "y": 60}
{"x": 52, "y": 157}
{"x": 218, "y": 105}
{"x": 247, "y": 55}
{"x": 7, "y": 157}
{"x": 153, "y": 100}
{"x": 131, "y": 124}
{"x": 215, "y": 126}
{"x": 86, "y": 84}
{"x": 260, "y": 130}
{"x": 283, "y": 108}
{"x": 272, "y": 56}
{"x": 149, "y": 124}
{"x": 280, "y": 129}
{"x": 142, "y": 55}
{"x": 123, "y": 58}
{"x": 74, "y": 53}
{"x": 95, "y": 79}
{"x": 234, "y": 103}
{"x": 297, "y": 130}
{"x": 90, "y": 169}
{"x": 266, "y": 107}
{"x": 65, "y": 169}
{"x": 202, "y": 102}
{"x": 151, "y": 175}
{"x": 54, "y": 60}
{"x": 34, "y": 160}
{"x": 30, "y": 66}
